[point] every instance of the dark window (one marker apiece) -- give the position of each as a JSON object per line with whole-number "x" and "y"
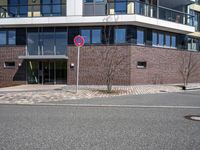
{"x": 88, "y": 1}
{"x": 120, "y": 35}
{"x": 61, "y": 43}
{"x": 141, "y": 64}
{"x": 72, "y": 32}
{"x": 9, "y": 64}
{"x": 140, "y": 37}
{"x": 33, "y": 41}
{"x": 17, "y": 7}
{"x": 20, "y": 36}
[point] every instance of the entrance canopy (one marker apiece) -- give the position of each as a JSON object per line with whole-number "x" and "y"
{"x": 36, "y": 57}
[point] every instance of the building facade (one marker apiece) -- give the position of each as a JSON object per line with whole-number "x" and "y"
{"x": 36, "y": 40}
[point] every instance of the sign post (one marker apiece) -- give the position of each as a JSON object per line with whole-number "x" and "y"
{"x": 79, "y": 42}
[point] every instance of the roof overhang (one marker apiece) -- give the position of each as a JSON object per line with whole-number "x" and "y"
{"x": 36, "y": 57}
{"x": 175, "y": 3}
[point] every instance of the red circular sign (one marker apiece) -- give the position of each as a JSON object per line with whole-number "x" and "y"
{"x": 79, "y": 41}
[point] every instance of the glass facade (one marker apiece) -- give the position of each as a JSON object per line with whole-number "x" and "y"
{"x": 92, "y": 36}
{"x": 140, "y": 37}
{"x": 46, "y": 41}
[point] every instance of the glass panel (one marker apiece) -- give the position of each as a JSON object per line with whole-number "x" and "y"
{"x": 52, "y": 72}
{"x": 167, "y": 40}
{"x": 23, "y": 7}
{"x": 12, "y": 8}
{"x": 56, "y": 7}
{"x": 86, "y": 35}
{"x": 3, "y": 38}
{"x": 48, "y": 43}
{"x": 155, "y": 38}
{"x": 61, "y": 43}
{"x": 120, "y": 6}
{"x": 32, "y": 72}
{"x": 173, "y": 41}
{"x": 46, "y": 73}
{"x": 61, "y": 72}
{"x": 140, "y": 37}
{"x": 33, "y": 41}
{"x": 12, "y": 37}
{"x": 161, "y": 39}
{"x": 120, "y": 35}
{"x": 46, "y": 7}
{"x": 96, "y": 36}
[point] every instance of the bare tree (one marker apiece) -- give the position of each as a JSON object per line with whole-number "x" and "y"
{"x": 112, "y": 60}
{"x": 189, "y": 65}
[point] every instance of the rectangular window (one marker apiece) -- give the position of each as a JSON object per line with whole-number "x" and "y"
{"x": 155, "y": 38}
{"x": 141, "y": 64}
{"x": 3, "y": 38}
{"x": 140, "y": 37}
{"x": 120, "y": 35}
{"x": 167, "y": 40}
{"x": 9, "y": 64}
{"x": 96, "y": 36}
{"x": 61, "y": 43}
{"x": 86, "y": 34}
{"x": 161, "y": 39}
{"x": 120, "y": 6}
{"x": 11, "y": 37}
{"x": 173, "y": 41}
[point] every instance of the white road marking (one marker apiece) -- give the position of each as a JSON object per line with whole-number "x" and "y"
{"x": 104, "y": 105}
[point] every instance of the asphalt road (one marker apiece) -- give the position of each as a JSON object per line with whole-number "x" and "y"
{"x": 103, "y": 128}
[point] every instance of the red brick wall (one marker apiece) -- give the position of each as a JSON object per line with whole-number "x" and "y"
{"x": 16, "y": 75}
{"x": 162, "y": 66}
{"x": 91, "y": 67}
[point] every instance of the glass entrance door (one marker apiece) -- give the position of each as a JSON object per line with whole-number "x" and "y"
{"x": 47, "y": 72}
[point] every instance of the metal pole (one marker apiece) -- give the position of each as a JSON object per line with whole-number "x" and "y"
{"x": 77, "y": 71}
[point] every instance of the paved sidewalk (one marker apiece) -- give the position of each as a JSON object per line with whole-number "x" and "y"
{"x": 33, "y": 94}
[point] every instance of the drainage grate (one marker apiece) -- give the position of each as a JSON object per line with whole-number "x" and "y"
{"x": 193, "y": 117}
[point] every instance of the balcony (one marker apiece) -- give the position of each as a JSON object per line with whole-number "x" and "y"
{"x": 124, "y": 7}
{"x": 14, "y": 10}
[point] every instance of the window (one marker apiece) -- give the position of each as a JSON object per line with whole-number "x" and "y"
{"x": 61, "y": 43}
{"x": 8, "y": 37}
{"x": 173, "y": 41}
{"x": 3, "y": 38}
{"x": 120, "y": 35}
{"x": 96, "y": 36}
{"x": 51, "y": 7}
{"x": 167, "y": 40}
{"x": 120, "y": 6}
{"x": 17, "y": 8}
{"x": 11, "y": 37}
{"x": 141, "y": 64}
{"x": 193, "y": 44}
{"x": 140, "y": 37}
{"x": 86, "y": 35}
{"x": 9, "y": 64}
{"x": 154, "y": 38}
{"x": 91, "y": 36}
{"x": 161, "y": 39}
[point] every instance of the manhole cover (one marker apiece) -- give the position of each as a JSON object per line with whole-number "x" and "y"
{"x": 193, "y": 117}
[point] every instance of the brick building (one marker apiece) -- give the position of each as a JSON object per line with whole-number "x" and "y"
{"x": 36, "y": 40}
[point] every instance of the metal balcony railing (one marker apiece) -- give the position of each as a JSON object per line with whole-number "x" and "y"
{"x": 36, "y": 10}
{"x": 140, "y": 8}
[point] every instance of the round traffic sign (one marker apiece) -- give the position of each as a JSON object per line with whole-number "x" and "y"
{"x": 79, "y": 41}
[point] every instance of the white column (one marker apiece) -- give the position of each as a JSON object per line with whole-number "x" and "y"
{"x": 74, "y": 7}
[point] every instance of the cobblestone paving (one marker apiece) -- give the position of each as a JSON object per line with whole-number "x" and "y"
{"x": 27, "y": 94}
